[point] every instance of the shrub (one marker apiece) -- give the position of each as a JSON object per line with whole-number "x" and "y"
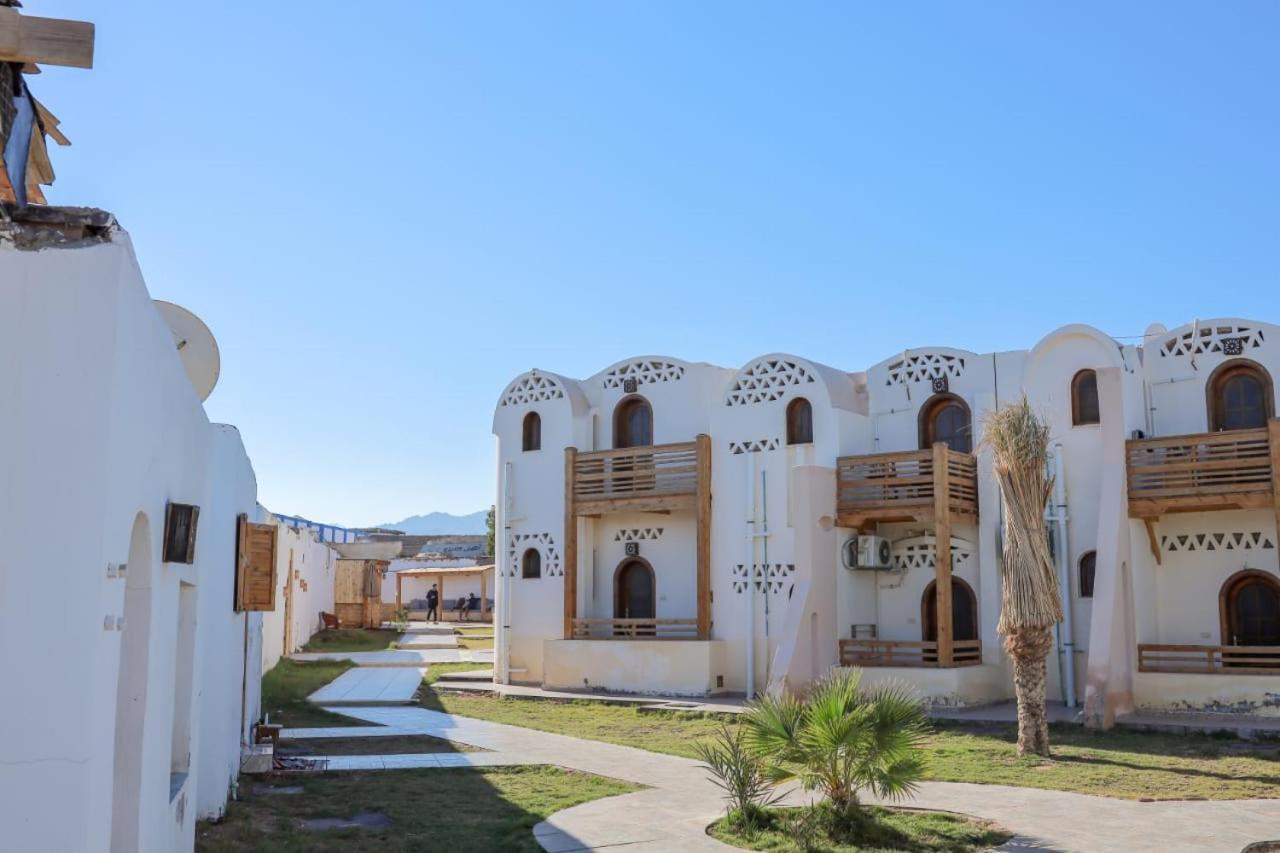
{"x": 840, "y": 739}
{"x": 741, "y": 774}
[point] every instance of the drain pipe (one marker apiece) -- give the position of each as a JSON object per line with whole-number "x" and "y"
{"x": 504, "y": 581}
{"x": 749, "y": 570}
{"x": 1066, "y": 634}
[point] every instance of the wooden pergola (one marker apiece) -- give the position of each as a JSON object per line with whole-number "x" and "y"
{"x": 438, "y": 575}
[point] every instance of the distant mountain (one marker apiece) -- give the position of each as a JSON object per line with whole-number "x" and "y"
{"x": 440, "y": 523}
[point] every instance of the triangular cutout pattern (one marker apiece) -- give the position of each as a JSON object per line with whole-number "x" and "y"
{"x": 767, "y": 380}
{"x": 737, "y": 448}
{"x": 644, "y": 371}
{"x": 775, "y": 575}
{"x": 638, "y": 534}
{"x": 1203, "y": 339}
{"x": 1187, "y": 543}
{"x": 924, "y": 366}
{"x": 518, "y": 542}
{"x": 532, "y": 388}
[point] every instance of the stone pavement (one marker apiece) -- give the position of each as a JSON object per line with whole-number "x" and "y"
{"x": 672, "y": 813}
{"x": 371, "y": 685}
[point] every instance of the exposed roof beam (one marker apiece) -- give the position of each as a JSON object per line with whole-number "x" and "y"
{"x": 50, "y": 41}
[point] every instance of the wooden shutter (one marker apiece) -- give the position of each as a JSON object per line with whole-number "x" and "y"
{"x": 255, "y": 565}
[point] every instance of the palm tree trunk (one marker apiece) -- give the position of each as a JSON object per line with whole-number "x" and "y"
{"x": 1029, "y": 648}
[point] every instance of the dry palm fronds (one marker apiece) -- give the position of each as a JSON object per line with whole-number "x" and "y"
{"x": 1019, "y": 442}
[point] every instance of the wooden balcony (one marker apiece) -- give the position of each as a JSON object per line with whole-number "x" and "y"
{"x": 1239, "y": 469}
{"x": 1215, "y": 660}
{"x": 635, "y": 629}
{"x": 653, "y": 478}
{"x": 913, "y": 485}
{"x": 902, "y": 653}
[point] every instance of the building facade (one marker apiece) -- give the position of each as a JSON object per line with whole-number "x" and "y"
{"x": 681, "y": 528}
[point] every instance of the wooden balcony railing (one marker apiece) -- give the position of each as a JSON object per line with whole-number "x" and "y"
{"x": 905, "y": 486}
{"x": 1217, "y": 660}
{"x": 904, "y": 653}
{"x": 657, "y": 476}
{"x": 653, "y": 478}
{"x": 635, "y": 629}
{"x": 1212, "y": 470}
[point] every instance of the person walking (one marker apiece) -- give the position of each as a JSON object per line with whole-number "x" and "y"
{"x": 433, "y": 604}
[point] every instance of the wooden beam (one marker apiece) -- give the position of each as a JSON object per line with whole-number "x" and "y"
{"x": 1152, "y": 539}
{"x": 52, "y": 41}
{"x": 484, "y": 599}
{"x": 570, "y": 544}
{"x": 1273, "y": 436}
{"x": 703, "y": 513}
{"x": 662, "y": 504}
{"x": 942, "y": 553}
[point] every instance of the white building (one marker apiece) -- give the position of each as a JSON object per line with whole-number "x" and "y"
{"x": 132, "y": 677}
{"x": 720, "y": 512}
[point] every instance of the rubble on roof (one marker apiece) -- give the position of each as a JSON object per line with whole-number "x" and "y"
{"x": 39, "y": 227}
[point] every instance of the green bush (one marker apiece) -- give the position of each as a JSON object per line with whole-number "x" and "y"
{"x": 741, "y": 774}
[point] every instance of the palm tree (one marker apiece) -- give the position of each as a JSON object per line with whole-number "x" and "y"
{"x": 1030, "y": 602}
{"x": 841, "y": 739}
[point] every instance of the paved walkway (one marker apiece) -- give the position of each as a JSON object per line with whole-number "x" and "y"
{"x": 427, "y": 640}
{"x": 371, "y": 685}
{"x": 401, "y": 657}
{"x": 679, "y": 801}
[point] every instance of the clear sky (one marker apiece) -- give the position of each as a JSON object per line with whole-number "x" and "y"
{"x": 387, "y": 210}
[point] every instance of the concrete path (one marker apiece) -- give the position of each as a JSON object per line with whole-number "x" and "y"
{"x": 371, "y": 685}
{"x": 396, "y": 657}
{"x": 424, "y": 640}
{"x": 680, "y": 801}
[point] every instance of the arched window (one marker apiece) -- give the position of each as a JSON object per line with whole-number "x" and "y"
{"x": 945, "y": 418}
{"x": 531, "y": 564}
{"x": 1084, "y": 398}
{"x": 799, "y": 422}
{"x": 532, "y": 432}
{"x": 1240, "y": 396}
{"x": 633, "y": 423}
{"x": 1087, "y": 564}
{"x": 1250, "y": 607}
{"x": 964, "y": 611}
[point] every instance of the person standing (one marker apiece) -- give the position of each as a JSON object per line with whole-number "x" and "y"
{"x": 433, "y": 604}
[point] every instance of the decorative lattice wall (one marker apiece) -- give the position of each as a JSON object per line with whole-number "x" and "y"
{"x": 1223, "y": 338}
{"x": 737, "y": 448}
{"x": 775, "y": 575}
{"x": 1227, "y": 541}
{"x": 533, "y": 388}
{"x": 920, "y": 552}
{"x": 644, "y": 372}
{"x": 518, "y": 543}
{"x": 638, "y": 534}
{"x": 924, "y": 367}
{"x": 767, "y": 380}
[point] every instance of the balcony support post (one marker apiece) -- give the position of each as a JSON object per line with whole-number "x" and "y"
{"x": 703, "y": 512}
{"x": 1273, "y": 439}
{"x": 570, "y": 544}
{"x": 942, "y": 552}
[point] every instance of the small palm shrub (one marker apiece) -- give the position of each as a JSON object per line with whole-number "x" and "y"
{"x": 741, "y": 774}
{"x": 840, "y": 740}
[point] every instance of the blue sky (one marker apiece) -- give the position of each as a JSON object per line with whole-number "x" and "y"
{"x": 385, "y": 211}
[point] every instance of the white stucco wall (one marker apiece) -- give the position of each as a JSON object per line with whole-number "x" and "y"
{"x": 312, "y": 562}
{"x": 100, "y": 429}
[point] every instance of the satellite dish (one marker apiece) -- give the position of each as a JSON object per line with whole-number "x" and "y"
{"x": 196, "y": 346}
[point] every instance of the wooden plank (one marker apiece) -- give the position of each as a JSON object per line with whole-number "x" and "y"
{"x": 648, "y": 449}
{"x": 1273, "y": 438}
{"x": 52, "y": 41}
{"x": 570, "y": 543}
{"x": 258, "y": 586}
{"x": 703, "y": 442}
{"x": 655, "y": 503}
{"x": 1152, "y": 539}
{"x": 942, "y": 553}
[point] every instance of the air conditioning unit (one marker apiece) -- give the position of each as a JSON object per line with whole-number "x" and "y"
{"x": 873, "y": 553}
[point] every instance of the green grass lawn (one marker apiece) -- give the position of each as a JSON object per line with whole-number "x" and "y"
{"x": 438, "y": 670}
{"x": 879, "y": 830}
{"x": 352, "y": 640}
{"x": 286, "y": 687}
{"x": 1124, "y": 764}
{"x": 458, "y": 810}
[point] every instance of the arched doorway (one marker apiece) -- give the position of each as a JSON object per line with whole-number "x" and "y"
{"x": 964, "y": 612}
{"x": 634, "y": 594}
{"x": 1250, "y": 608}
{"x": 945, "y": 418}
{"x": 131, "y": 690}
{"x": 633, "y": 423}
